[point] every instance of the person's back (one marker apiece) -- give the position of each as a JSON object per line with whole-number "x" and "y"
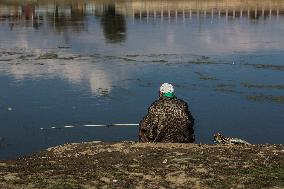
{"x": 168, "y": 120}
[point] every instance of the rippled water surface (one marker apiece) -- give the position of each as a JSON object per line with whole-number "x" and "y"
{"x": 72, "y": 63}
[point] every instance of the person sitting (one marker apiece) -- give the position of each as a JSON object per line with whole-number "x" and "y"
{"x": 168, "y": 119}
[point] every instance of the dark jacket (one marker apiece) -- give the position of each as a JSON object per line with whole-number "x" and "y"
{"x": 168, "y": 120}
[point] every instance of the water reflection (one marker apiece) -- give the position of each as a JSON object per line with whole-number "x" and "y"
{"x": 75, "y": 19}
{"x": 65, "y": 15}
{"x": 98, "y": 78}
{"x": 99, "y": 61}
{"x": 113, "y": 24}
{"x": 159, "y": 9}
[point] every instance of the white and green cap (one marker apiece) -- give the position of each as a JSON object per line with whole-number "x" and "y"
{"x": 167, "y": 90}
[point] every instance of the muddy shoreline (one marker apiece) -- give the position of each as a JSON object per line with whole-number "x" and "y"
{"x": 141, "y": 165}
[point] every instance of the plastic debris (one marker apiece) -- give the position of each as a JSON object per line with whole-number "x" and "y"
{"x": 10, "y": 109}
{"x": 165, "y": 161}
{"x": 114, "y": 180}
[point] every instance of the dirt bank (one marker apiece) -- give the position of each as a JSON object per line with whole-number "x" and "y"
{"x": 136, "y": 165}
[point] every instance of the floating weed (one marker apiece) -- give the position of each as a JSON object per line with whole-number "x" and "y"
{"x": 66, "y": 58}
{"x": 179, "y": 86}
{"x": 64, "y": 47}
{"x": 128, "y": 59}
{"x": 225, "y": 87}
{"x": 48, "y": 56}
{"x": 250, "y": 85}
{"x": 23, "y": 57}
{"x": 132, "y": 55}
{"x": 199, "y": 61}
{"x": 119, "y": 58}
{"x": 204, "y": 77}
{"x": 103, "y": 92}
{"x": 110, "y": 57}
{"x": 263, "y": 98}
{"x": 5, "y": 60}
{"x": 11, "y": 52}
{"x": 39, "y": 63}
{"x": 205, "y": 57}
{"x": 266, "y": 66}
{"x": 94, "y": 55}
{"x": 160, "y": 55}
{"x": 161, "y": 61}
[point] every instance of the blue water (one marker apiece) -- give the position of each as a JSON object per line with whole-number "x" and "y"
{"x": 106, "y": 66}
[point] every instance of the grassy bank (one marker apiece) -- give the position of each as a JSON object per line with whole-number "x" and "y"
{"x": 136, "y": 165}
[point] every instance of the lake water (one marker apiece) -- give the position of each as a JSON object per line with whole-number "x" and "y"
{"x": 102, "y": 62}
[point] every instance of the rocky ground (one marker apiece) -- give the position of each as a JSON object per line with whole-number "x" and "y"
{"x": 137, "y": 165}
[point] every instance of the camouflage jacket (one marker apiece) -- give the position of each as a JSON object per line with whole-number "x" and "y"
{"x": 168, "y": 120}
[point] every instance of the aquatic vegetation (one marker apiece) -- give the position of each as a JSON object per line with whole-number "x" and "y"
{"x": 67, "y": 58}
{"x": 161, "y": 61}
{"x": 132, "y": 55}
{"x": 103, "y": 92}
{"x": 266, "y": 98}
{"x": 250, "y": 85}
{"x": 39, "y": 63}
{"x": 205, "y": 77}
{"x": 200, "y": 61}
{"x": 63, "y": 47}
{"x": 162, "y": 55}
{"x": 225, "y": 88}
{"x": 11, "y": 52}
{"x": 49, "y": 55}
{"x": 266, "y": 66}
{"x": 5, "y": 60}
{"x": 128, "y": 59}
{"x": 26, "y": 56}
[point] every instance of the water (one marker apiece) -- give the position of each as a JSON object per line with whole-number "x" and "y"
{"x": 92, "y": 62}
